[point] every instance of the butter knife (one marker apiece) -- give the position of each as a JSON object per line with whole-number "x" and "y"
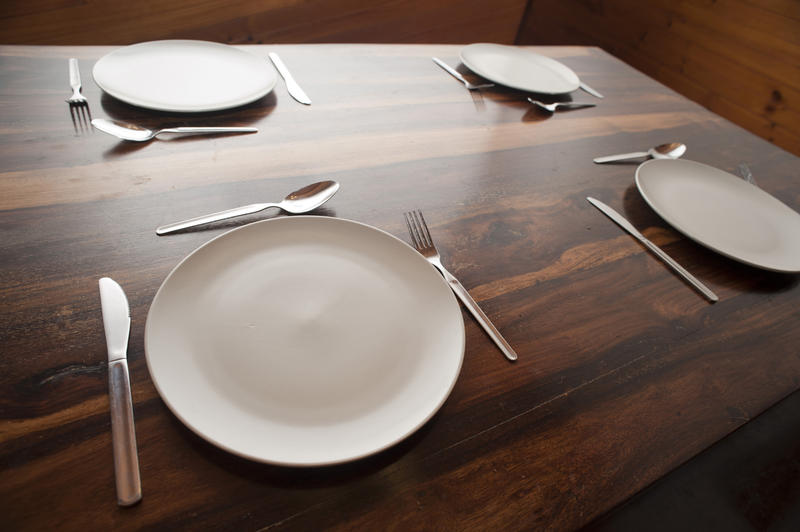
{"x": 117, "y": 323}
{"x": 625, "y": 224}
{"x": 291, "y": 85}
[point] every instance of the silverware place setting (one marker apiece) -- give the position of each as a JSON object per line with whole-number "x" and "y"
{"x": 627, "y": 226}
{"x": 670, "y": 150}
{"x": 134, "y": 133}
{"x": 423, "y": 243}
{"x": 300, "y": 201}
{"x": 553, "y": 107}
{"x": 295, "y": 91}
{"x": 456, "y": 74}
{"x": 78, "y": 104}
{"x": 117, "y": 324}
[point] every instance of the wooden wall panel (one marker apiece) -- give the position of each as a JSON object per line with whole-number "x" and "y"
{"x": 739, "y": 58}
{"x": 259, "y": 21}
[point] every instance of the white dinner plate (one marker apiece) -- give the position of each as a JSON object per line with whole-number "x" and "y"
{"x": 723, "y": 213}
{"x": 184, "y": 76}
{"x": 304, "y": 341}
{"x": 519, "y": 68}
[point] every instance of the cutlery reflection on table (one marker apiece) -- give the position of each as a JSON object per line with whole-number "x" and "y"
{"x": 626, "y": 225}
{"x": 291, "y": 85}
{"x": 78, "y": 104}
{"x": 117, "y": 323}
{"x": 134, "y": 133}
{"x": 553, "y": 107}
{"x": 456, "y": 74}
{"x": 306, "y": 199}
{"x": 421, "y": 238}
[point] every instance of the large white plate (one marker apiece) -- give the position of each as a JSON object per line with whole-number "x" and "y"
{"x": 184, "y": 76}
{"x": 304, "y": 341}
{"x": 519, "y": 68}
{"x": 723, "y": 212}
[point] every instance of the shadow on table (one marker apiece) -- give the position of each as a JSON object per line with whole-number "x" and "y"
{"x": 728, "y": 272}
{"x": 239, "y": 116}
{"x": 285, "y": 477}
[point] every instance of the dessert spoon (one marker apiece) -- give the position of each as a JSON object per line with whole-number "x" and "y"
{"x": 672, "y": 150}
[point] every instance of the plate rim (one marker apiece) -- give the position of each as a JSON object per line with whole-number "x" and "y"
{"x": 686, "y": 232}
{"x": 132, "y": 100}
{"x": 517, "y": 49}
{"x": 320, "y": 463}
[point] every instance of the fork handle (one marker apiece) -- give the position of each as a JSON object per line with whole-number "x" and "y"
{"x": 481, "y": 318}
{"x": 74, "y": 74}
{"x": 450, "y": 70}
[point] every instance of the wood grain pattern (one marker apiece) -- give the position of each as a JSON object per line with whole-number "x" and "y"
{"x": 624, "y": 371}
{"x": 738, "y": 58}
{"x": 259, "y": 21}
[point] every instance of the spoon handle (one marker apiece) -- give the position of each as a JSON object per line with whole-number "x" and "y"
{"x": 213, "y": 217}
{"x": 620, "y": 157}
{"x": 194, "y": 130}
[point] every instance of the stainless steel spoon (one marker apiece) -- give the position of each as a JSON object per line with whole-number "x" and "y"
{"x": 135, "y": 133}
{"x": 672, "y": 150}
{"x": 304, "y": 200}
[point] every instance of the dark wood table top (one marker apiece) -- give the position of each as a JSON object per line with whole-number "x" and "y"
{"x": 624, "y": 372}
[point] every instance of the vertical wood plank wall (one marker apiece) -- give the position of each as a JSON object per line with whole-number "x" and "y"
{"x": 738, "y": 58}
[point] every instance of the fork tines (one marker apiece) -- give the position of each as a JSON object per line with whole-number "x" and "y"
{"x": 78, "y": 104}
{"x": 418, "y": 229}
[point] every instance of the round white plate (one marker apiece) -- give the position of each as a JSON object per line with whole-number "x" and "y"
{"x": 304, "y": 341}
{"x": 184, "y": 76}
{"x": 519, "y": 68}
{"x": 723, "y": 213}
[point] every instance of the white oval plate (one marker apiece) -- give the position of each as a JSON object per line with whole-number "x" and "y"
{"x": 723, "y": 213}
{"x": 304, "y": 341}
{"x": 519, "y": 68}
{"x": 184, "y": 76}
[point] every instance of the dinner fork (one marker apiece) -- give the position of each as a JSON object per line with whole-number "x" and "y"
{"x": 453, "y": 72}
{"x": 421, "y": 238}
{"x": 551, "y": 107}
{"x": 78, "y": 104}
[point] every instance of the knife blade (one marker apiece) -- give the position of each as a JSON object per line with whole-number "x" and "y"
{"x": 291, "y": 85}
{"x": 590, "y": 90}
{"x": 625, "y": 224}
{"x": 117, "y": 323}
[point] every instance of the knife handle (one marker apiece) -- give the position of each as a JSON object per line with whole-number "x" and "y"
{"x": 123, "y": 435}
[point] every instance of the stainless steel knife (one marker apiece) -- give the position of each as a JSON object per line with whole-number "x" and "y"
{"x": 117, "y": 323}
{"x": 590, "y": 90}
{"x": 291, "y": 85}
{"x": 625, "y": 224}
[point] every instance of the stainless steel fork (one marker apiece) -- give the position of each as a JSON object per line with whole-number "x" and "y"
{"x": 421, "y": 238}
{"x": 78, "y": 104}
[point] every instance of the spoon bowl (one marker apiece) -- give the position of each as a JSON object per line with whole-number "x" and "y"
{"x": 134, "y": 133}
{"x": 671, "y": 150}
{"x": 303, "y": 200}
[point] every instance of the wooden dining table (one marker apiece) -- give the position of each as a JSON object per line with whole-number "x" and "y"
{"x": 624, "y": 372}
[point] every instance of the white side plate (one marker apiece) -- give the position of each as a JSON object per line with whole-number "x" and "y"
{"x": 723, "y": 213}
{"x": 519, "y": 68}
{"x": 304, "y": 341}
{"x": 184, "y": 76}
